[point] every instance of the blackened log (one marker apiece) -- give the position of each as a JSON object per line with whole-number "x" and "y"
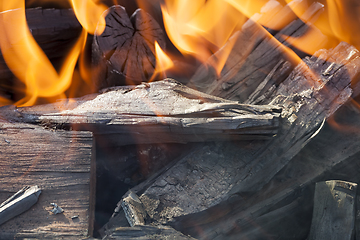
{"x": 334, "y": 210}
{"x": 333, "y": 154}
{"x": 212, "y": 174}
{"x": 55, "y": 30}
{"x": 146, "y": 232}
{"x": 125, "y": 52}
{"x": 256, "y": 56}
{"x": 158, "y": 112}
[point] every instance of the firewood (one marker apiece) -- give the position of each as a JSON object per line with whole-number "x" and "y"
{"x": 59, "y": 162}
{"x": 19, "y": 203}
{"x": 158, "y": 112}
{"x": 310, "y": 94}
{"x": 255, "y": 56}
{"x": 146, "y": 232}
{"x": 125, "y": 52}
{"x": 55, "y": 30}
{"x": 333, "y": 154}
{"x": 334, "y": 210}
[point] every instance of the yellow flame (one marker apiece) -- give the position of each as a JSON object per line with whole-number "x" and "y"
{"x": 90, "y": 15}
{"x": 199, "y": 27}
{"x": 27, "y": 60}
{"x": 163, "y": 61}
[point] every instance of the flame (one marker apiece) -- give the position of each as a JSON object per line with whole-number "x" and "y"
{"x": 90, "y": 15}
{"x": 195, "y": 29}
{"x": 27, "y": 60}
{"x": 163, "y": 62}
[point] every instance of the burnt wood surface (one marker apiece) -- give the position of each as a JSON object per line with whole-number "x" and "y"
{"x": 146, "y": 232}
{"x": 158, "y": 112}
{"x": 125, "y": 52}
{"x": 55, "y": 30}
{"x": 283, "y": 208}
{"x": 334, "y": 210}
{"x": 59, "y": 162}
{"x": 257, "y": 58}
{"x": 215, "y": 173}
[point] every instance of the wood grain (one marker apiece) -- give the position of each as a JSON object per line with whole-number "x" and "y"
{"x": 59, "y": 162}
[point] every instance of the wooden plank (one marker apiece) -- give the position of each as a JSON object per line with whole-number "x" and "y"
{"x": 60, "y": 163}
{"x": 334, "y": 211}
{"x": 158, "y": 112}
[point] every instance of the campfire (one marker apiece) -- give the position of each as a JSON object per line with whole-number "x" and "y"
{"x": 217, "y": 119}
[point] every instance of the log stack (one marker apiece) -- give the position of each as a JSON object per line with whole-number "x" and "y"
{"x": 234, "y": 156}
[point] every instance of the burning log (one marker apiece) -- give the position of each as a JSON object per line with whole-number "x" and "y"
{"x": 124, "y": 53}
{"x": 158, "y": 112}
{"x": 311, "y": 93}
{"x": 60, "y": 163}
{"x": 334, "y": 210}
{"x": 256, "y": 55}
{"x": 55, "y": 30}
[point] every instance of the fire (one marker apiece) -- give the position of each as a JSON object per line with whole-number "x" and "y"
{"x": 163, "y": 61}
{"x": 195, "y": 27}
{"x": 89, "y": 15}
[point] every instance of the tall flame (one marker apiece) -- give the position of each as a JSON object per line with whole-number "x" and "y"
{"x": 27, "y": 60}
{"x": 89, "y": 14}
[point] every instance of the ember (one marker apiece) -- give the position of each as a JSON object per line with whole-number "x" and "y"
{"x": 207, "y": 119}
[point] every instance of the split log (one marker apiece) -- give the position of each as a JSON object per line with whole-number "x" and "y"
{"x": 216, "y": 173}
{"x": 256, "y": 55}
{"x": 333, "y": 154}
{"x": 334, "y": 211}
{"x": 146, "y": 232}
{"x": 59, "y": 162}
{"x": 124, "y": 53}
{"x": 158, "y": 112}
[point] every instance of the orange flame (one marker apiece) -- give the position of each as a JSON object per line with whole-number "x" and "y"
{"x": 163, "y": 62}
{"x": 195, "y": 29}
{"x": 90, "y": 15}
{"x": 27, "y": 60}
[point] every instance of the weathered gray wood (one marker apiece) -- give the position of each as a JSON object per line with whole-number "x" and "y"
{"x": 124, "y": 53}
{"x": 18, "y": 203}
{"x": 59, "y": 162}
{"x": 256, "y": 55}
{"x": 146, "y": 232}
{"x": 333, "y": 154}
{"x": 214, "y": 173}
{"x": 158, "y": 112}
{"x": 334, "y": 211}
{"x": 133, "y": 209}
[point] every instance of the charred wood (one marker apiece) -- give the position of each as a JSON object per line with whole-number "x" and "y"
{"x": 216, "y": 173}
{"x": 257, "y": 58}
{"x": 334, "y": 210}
{"x": 125, "y": 52}
{"x": 55, "y": 30}
{"x": 158, "y": 112}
